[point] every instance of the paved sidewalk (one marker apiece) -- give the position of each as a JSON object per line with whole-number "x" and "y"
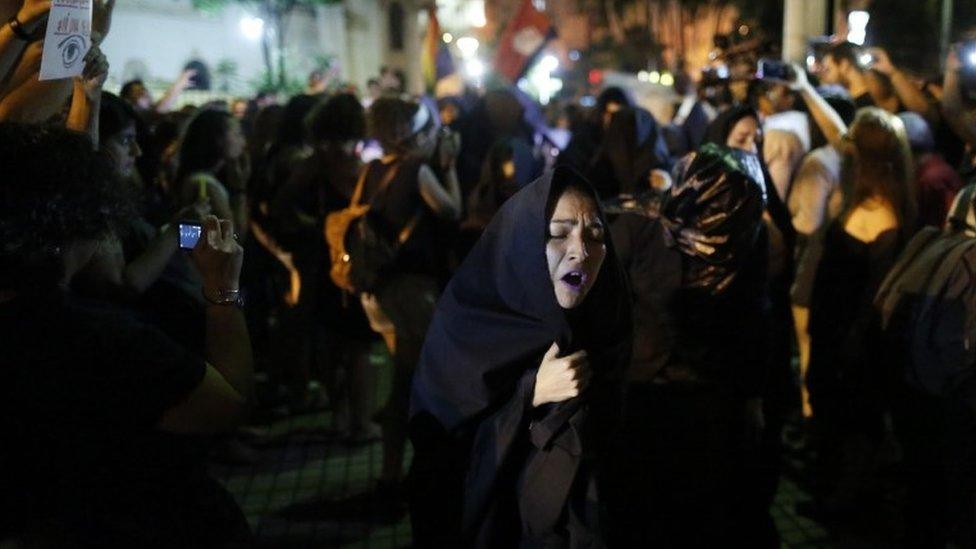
{"x": 312, "y": 490}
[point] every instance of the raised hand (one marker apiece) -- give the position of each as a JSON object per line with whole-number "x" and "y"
{"x": 882, "y": 63}
{"x": 799, "y": 78}
{"x": 101, "y": 19}
{"x": 33, "y": 10}
{"x": 95, "y": 72}
{"x": 218, "y": 256}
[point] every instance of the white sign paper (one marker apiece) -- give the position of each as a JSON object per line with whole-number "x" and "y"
{"x": 67, "y": 39}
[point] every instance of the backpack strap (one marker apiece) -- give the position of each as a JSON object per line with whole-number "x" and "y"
{"x": 357, "y": 195}
{"x": 360, "y": 183}
{"x": 886, "y": 299}
{"x": 407, "y": 229}
{"x": 959, "y": 216}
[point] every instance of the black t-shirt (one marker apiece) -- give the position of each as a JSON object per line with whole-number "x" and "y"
{"x": 395, "y": 206}
{"x": 84, "y": 386}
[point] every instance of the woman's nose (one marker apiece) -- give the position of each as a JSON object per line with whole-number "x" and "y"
{"x": 577, "y": 247}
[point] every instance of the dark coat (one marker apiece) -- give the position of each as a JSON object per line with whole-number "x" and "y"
{"x": 531, "y": 475}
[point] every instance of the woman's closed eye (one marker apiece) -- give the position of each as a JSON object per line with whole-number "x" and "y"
{"x": 590, "y": 232}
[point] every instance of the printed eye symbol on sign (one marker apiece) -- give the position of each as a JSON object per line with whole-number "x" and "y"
{"x": 72, "y": 48}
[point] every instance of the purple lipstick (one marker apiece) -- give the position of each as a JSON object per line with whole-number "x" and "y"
{"x": 574, "y": 279}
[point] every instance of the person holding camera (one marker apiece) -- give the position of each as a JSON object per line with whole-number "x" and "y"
{"x": 139, "y": 264}
{"x": 104, "y": 417}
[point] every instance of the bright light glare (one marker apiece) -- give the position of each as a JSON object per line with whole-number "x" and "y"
{"x": 549, "y": 63}
{"x": 654, "y": 77}
{"x": 667, "y": 79}
{"x": 448, "y": 37}
{"x": 475, "y": 68}
{"x": 971, "y": 58}
{"x": 811, "y": 61}
{"x": 252, "y": 27}
{"x": 643, "y": 76}
{"x": 865, "y": 59}
{"x": 468, "y": 46}
{"x": 476, "y": 14}
{"x": 857, "y": 24}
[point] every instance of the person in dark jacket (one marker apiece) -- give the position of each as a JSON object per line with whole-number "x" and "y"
{"x": 517, "y": 381}
{"x": 693, "y": 408}
{"x": 738, "y": 127}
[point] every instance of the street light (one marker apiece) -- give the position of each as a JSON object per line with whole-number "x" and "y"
{"x": 252, "y": 27}
{"x": 476, "y": 14}
{"x": 549, "y": 63}
{"x": 857, "y": 24}
{"x": 475, "y": 68}
{"x": 468, "y": 46}
{"x": 448, "y": 37}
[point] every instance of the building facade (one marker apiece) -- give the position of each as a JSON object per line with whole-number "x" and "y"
{"x": 155, "y": 39}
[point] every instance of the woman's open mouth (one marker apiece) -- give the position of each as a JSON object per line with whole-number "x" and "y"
{"x": 574, "y": 279}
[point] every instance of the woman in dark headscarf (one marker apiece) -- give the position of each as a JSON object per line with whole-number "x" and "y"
{"x": 586, "y": 140}
{"x": 692, "y": 411}
{"x": 500, "y": 114}
{"x": 631, "y": 148}
{"x": 517, "y": 380}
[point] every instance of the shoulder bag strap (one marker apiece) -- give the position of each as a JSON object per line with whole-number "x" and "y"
{"x": 358, "y": 193}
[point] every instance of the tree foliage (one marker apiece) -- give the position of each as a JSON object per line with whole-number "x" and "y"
{"x": 274, "y": 13}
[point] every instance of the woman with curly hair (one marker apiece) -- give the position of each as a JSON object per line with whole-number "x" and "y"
{"x": 95, "y": 406}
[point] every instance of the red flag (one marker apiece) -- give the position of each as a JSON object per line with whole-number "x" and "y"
{"x": 523, "y": 39}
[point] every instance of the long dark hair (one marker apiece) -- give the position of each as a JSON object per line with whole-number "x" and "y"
{"x": 878, "y": 163}
{"x": 114, "y": 115}
{"x": 204, "y": 142}
{"x": 292, "y": 128}
{"x": 389, "y": 123}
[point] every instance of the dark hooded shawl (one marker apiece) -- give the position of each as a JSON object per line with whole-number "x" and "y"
{"x": 717, "y": 133}
{"x": 494, "y": 322}
{"x": 713, "y": 215}
{"x": 782, "y": 238}
{"x": 632, "y": 146}
{"x": 699, "y": 274}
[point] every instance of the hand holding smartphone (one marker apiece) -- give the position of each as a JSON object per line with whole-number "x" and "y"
{"x": 189, "y": 234}
{"x": 776, "y": 70}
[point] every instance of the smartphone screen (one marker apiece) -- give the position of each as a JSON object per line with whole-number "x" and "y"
{"x": 189, "y": 235}
{"x": 773, "y": 69}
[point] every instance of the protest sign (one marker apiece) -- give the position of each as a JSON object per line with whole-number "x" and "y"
{"x": 67, "y": 39}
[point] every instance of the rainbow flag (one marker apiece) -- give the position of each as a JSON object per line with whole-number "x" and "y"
{"x": 437, "y": 62}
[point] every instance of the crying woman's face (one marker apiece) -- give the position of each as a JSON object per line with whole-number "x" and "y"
{"x": 575, "y": 247}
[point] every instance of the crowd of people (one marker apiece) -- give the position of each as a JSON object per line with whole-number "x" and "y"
{"x": 595, "y": 341}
